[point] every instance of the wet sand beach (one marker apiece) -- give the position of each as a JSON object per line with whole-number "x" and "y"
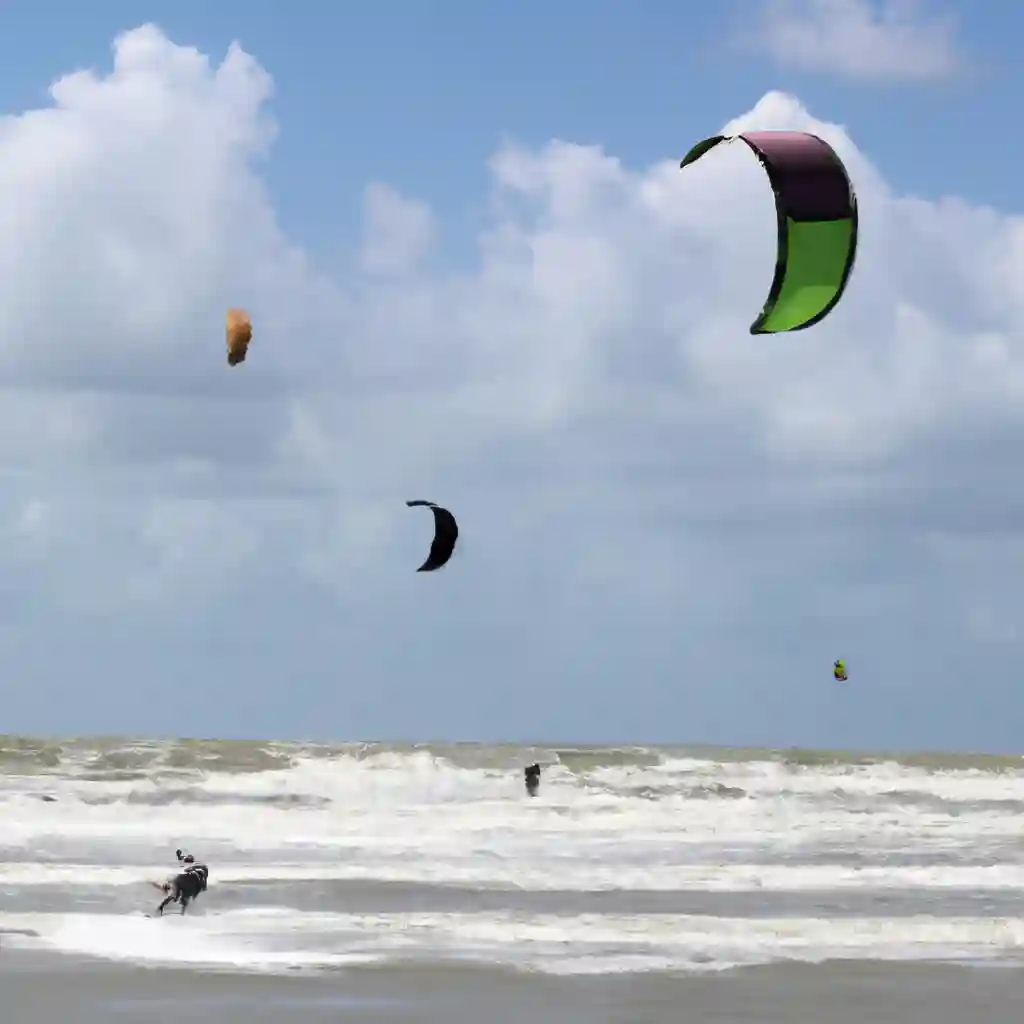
{"x": 43, "y": 988}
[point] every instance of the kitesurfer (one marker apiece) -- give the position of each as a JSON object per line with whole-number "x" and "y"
{"x": 186, "y": 885}
{"x": 531, "y": 774}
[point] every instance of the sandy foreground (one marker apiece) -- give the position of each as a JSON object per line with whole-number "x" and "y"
{"x": 40, "y": 988}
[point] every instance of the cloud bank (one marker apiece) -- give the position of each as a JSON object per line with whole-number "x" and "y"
{"x": 669, "y": 528}
{"x": 892, "y": 41}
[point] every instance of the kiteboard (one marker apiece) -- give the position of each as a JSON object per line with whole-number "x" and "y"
{"x": 163, "y": 887}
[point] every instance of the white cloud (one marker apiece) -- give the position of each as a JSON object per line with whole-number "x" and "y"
{"x": 644, "y": 488}
{"x": 865, "y": 40}
{"x": 398, "y": 231}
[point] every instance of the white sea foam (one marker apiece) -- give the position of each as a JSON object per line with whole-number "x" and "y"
{"x": 736, "y": 878}
{"x": 277, "y": 938}
{"x": 392, "y": 817}
{"x": 679, "y": 823}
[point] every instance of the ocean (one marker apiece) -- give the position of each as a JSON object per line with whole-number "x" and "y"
{"x": 369, "y": 881}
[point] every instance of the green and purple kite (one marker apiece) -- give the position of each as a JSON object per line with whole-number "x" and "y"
{"x": 817, "y": 220}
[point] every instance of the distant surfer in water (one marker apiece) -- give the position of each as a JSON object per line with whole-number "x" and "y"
{"x": 186, "y": 885}
{"x": 531, "y": 774}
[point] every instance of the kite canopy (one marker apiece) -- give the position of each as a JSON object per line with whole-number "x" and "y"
{"x": 238, "y": 329}
{"x": 446, "y": 533}
{"x": 839, "y": 671}
{"x": 817, "y": 225}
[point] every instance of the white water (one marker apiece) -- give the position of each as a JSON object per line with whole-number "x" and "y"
{"x": 686, "y": 824}
{"x": 712, "y": 878}
{"x": 580, "y": 944}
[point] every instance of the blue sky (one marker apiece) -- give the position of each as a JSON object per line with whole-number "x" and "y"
{"x": 420, "y": 95}
{"x": 665, "y": 538}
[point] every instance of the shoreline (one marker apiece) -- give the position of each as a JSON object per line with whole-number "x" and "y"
{"x": 87, "y": 990}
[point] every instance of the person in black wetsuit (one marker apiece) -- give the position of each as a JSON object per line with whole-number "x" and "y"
{"x": 531, "y": 775}
{"x": 186, "y": 885}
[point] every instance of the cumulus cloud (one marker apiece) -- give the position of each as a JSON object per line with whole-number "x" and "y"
{"x": 646, "y": 491}
{"x": 398, "y": 231}
{"x": 864, "y": 40}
